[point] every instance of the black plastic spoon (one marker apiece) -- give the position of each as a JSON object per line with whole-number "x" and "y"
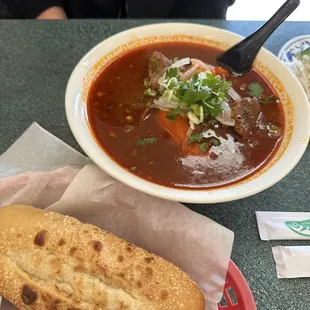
{"x": 239, "y": 58}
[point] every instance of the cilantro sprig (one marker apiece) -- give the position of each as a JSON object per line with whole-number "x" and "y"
{"x": 202, "y": 90}
{"x": 173, "y": 114}
{"x": 204, "y": 143}
{"x": 268, "y": 99}
{"x": 255, "y": 90}
{"x": 215, "y": 141}
{"x": 206, "y": 90}
{"x": 172, "y": 73}
{"x": 204, "y": 146}
{"x": 195, "y": 138}
{"x": 146, "y": 141}
{"x": 200, "y": 96}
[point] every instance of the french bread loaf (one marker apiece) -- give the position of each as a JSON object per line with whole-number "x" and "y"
{"x": 52, "y": 261}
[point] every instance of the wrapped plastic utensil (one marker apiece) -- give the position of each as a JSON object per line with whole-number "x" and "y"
{"x": 292, "y": 261}
{"x": 283, "y": 225}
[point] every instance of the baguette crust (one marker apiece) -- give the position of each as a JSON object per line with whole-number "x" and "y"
{"x": 52, "y": 261}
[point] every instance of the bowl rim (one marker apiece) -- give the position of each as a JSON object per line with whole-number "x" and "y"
{"x": 170, "y": 193}
{"x": 291, "y": 42}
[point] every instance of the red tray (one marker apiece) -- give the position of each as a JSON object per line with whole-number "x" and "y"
{"x": 237, "y": 294}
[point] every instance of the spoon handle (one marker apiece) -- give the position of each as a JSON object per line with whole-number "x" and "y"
{"x": 258, "y": 38}
{"x": 263, "y": 33}
{"x": 239, "y": 58}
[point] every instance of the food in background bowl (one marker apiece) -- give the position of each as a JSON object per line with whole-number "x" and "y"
{"x": 169, "y": 114}
{"x": 296, "y": 55}
{"x": 283, "y": 124}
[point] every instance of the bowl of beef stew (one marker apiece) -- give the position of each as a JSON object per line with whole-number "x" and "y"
{"x": 152, "y": 108}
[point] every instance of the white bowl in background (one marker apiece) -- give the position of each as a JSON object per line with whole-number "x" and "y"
{"x": 286, "y": 86}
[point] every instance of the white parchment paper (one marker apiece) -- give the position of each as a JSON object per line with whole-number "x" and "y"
{"x": 42, "y": 171}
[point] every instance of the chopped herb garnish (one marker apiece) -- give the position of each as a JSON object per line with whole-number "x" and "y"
{"x": 146, "y": 141}
{"x": 203, "y": 146}
{"x": 202, "y": 94}
{"x": 195, "y": 138}
{"x": 209, "y": 80}
{"x": 173, "y": 113}
{"x": 196, "y": 109}
{"x": 216, "y": 110}
{"x": 150, "y": 92}
{"x": 255, "y": 90}
{"x": 133, "y": 168}
{"x": 215, "y": 141}
{"x": 269, "y": 99}
{"x": 206, "y": 90}
{"x": 167, "y": 94}
{"x": 172, "y": 73}
{"x": 225, "y": 87}
{"x": 192, "y": 95}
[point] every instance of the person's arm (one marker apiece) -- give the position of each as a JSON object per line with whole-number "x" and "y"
{"x": 54, "y": 12}
{"x": 40, "y": 9}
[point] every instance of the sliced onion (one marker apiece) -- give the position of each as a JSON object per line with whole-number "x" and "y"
{"x": 168, "y": 104}
{"x": 225, "y": 116}
{"x": 161, "y": 82}
{"x": 189, "y": 132}
{"x": 201, "y": 114}
{"x": 274, "y": 130}
{"x": 146, "y": 113}
{"x": 161, "y": 108}
{"x": 260, "y": 122}
{"x": 202, "y": 75}
{"x": 192, "y": 117}
{"x": 185, "y": 142}
{"x": 198, "y": 66}
{"x": 172, "y": 80}
{"x": 201, "y": 64}
{"x": 177, "y": 64}
{"x": 161, "y": 89}
{"x": 182, "y": 62}
{"x": 233, "y": 94}
{"x": 190, "y": 72}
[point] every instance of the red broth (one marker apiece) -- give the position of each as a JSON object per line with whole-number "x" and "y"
{"x": 116, "y": 101}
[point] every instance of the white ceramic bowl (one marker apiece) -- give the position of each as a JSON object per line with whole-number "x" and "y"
{"x": 293, "y": 98}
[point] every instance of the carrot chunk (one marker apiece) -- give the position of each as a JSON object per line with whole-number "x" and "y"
{"x": 177, "y": 130}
